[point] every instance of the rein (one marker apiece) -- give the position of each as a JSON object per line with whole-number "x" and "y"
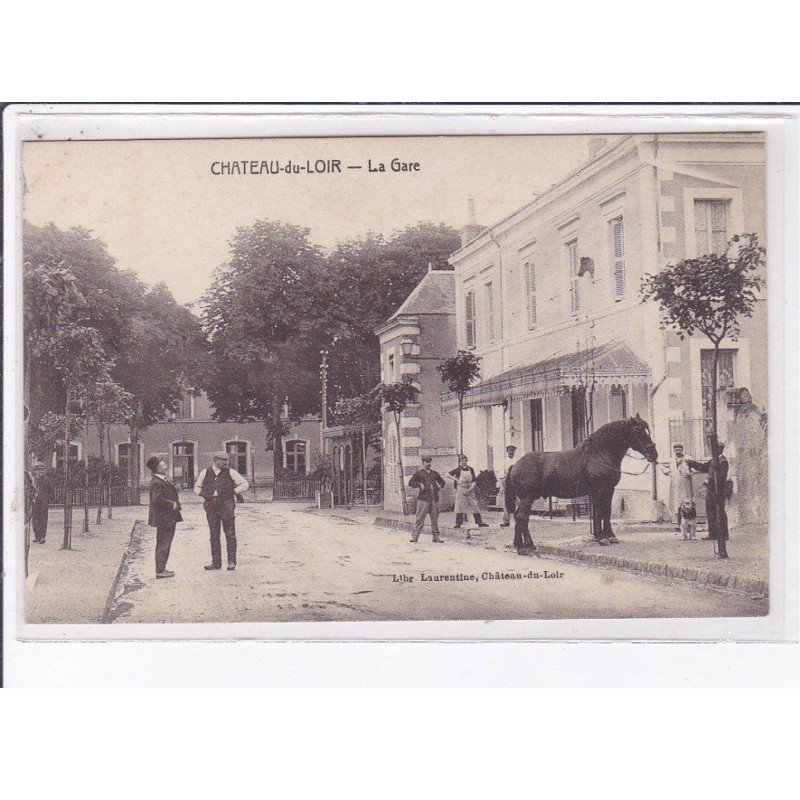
{"x": 608, "y": 464}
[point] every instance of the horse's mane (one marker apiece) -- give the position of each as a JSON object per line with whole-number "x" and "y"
{"x": 608, "y": 434}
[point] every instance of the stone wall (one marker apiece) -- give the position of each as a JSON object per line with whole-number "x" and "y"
{"x": 746, "y": 448}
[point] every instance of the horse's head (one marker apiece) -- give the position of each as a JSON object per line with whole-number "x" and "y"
{"x": 639, "y": 438}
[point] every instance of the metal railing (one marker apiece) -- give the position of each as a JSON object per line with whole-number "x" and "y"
{"x": 98, "y": 495}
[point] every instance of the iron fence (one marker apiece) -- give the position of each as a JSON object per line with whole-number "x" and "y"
{"x": 98, "y": 495}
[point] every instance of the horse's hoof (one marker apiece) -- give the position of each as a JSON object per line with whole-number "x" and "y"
{"x": 604, "y": 542}
{"x": 612, "y": 539}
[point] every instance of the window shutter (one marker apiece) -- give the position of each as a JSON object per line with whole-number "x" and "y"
{"x": 530, "y": 280}
{"x": 619, "y": 257}
{"x": 470, "y": 318}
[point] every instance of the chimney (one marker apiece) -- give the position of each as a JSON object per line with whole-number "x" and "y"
{"x": 471, "y": 229}
{"x": 596, "y": 144}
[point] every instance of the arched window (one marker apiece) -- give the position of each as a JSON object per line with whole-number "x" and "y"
{"x": 237, "y": 454}
{"x": 295, "y": 456}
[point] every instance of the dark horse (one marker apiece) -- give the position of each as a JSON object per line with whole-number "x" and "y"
{"x": 592, "y": 468}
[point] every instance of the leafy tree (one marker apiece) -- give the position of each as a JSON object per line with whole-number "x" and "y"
{"x": 710, "y": 294}
{"x": 106, "y": 403}
{"x": 363, "y": 283}
{"x": 261, "y": 320}
{"x": 163, "y": 354}
{"x": 395, "y": 398}
{"x": 458, "y": 373}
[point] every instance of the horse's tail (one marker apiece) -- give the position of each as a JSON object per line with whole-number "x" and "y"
{"x": 510, "y": 493}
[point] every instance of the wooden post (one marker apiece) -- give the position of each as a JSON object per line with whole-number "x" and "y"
{"x": 67, "y": 542}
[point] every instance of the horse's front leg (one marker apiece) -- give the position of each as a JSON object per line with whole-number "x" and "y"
{"x": 597, "y": 518}
{"x": 607, "y": 530}
{"x": 522, "y": 534}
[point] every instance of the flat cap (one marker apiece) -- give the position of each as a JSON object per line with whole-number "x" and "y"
{"x": 221, "y": 454}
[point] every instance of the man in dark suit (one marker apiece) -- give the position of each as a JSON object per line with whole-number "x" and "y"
{"x": 716, "y": 492}
{"x": 165, "y": 513}
{"x": 41, "y": 504}
{"x": 429, "y": 482}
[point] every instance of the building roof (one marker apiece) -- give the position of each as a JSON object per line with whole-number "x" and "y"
{"x": 434, "y": 294}
{"x": 611, "y": 363}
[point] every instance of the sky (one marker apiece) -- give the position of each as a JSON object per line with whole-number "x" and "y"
{"x": 163, "y": 213}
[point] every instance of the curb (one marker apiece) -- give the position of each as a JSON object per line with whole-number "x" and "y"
{"x": 736, "y": 583}
{"x": 127, "y": 557}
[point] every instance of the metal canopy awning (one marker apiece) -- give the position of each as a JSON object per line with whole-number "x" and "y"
{"x": 611, "y": 364}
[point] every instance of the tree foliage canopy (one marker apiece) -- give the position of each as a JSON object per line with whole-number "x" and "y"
{"x": 711, "y": 293}
{"x": 460, "y": 371}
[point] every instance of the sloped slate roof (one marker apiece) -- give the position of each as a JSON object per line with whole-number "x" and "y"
{"x": 434, "y": 294}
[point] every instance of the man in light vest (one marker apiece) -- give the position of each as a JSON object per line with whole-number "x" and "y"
{"x": 220, "y": 487}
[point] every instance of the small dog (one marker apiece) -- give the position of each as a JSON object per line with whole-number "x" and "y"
{"x": 688, "y": 519}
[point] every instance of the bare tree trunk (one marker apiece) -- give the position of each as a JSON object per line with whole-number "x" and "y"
{"x": 86, "y": 473}
{"x": 100, "y": 474}
{"x": 110, "y": 482}
{"x": 67, "y": 543}
{"x": 460, "y": 424}
{"x": 722, "y": 548}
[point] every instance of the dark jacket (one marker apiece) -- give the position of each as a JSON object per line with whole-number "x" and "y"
{"x": 428, "y": 484}
{"x": 454, "y": 473}
{"x": 717, "y": 483}
{"x": 163, "y": 504}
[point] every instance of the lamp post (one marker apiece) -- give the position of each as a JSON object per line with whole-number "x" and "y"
{"x": 323, "y": 374}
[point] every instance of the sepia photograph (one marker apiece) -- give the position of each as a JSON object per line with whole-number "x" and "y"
{"x": 395, "y": 378}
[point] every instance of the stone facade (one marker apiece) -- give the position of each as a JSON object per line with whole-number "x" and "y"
{"x": 559, "y": 279}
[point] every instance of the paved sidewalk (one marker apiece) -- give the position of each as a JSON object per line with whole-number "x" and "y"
{"x": 658, "y": 549}
{"x": 72, "y": 586}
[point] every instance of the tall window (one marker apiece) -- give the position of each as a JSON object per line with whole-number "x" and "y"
{"x": 537, "y": 425}
{"x": 469, "y": 317}
{"x": 296, "y": 456}
{"x": 579, "y": 422}
{"x": 618, "y": 403}
{"x": 573, "y": 265}
{"x": 711, "y": 226}
{"x": 185, "y": 408}
{"x": 618, "y": 256}
{"x": 390, "y": 376}
{"x": 530, "y": 287}
{"x": 124, "y": 454}
{"x": 725, "y": 380}
{"x": 58, "y": 455}
{"x": 488, "y": 290}
{"x": 237, "y": 456}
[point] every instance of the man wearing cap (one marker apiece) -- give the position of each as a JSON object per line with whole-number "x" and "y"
{"x": 511, "y": 452}
{"x": 429, "y": 482}
{"x": 220, "y": 487}
{"x": 165, "y": 513}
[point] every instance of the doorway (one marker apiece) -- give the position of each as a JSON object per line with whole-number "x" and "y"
{"x": 183, "y": 464}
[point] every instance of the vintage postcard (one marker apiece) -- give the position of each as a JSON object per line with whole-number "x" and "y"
{"x": 401, "y": 378}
